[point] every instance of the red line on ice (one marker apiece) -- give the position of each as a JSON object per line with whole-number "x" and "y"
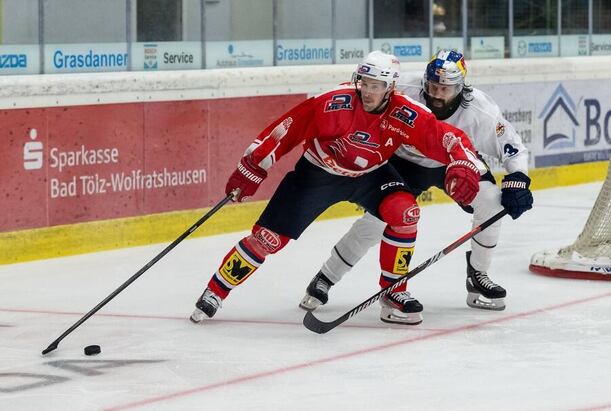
{"x": 167, "y": 317}
{"x": 334, "y": 358}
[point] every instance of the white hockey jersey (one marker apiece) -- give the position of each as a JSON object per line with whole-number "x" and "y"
{"x": 482, "y": 120}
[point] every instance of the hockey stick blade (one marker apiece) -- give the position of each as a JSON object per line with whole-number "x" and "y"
{"x": 321, "y": 327}
{"x": 133, "y": 278}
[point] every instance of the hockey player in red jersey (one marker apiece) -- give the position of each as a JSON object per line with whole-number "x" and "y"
{"x": 348, "y": 134}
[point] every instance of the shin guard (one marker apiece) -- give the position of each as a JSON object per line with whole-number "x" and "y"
{"x": 396, "y": 250}
{"x": 401, "y": 212}
{"x": 245, "y": 258}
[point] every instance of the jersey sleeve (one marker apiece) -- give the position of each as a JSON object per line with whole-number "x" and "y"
{"x": 283, "y": 135}
{"x": 445, "y": 143}
{"x": 497, "y": 138}
{"x": 512, "y": 153}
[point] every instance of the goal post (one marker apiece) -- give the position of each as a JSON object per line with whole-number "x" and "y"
{"x": 589, "y": 257}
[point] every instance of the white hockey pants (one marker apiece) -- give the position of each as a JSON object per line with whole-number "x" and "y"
{"x": 366, "y": 232}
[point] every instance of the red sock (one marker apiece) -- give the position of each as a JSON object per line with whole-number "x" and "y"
{"x": 396, "y": 250}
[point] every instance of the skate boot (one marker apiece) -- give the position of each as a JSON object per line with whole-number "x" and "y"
{"x": 207, "y": 305}
{"x": 317, "y": 292}
{"x": 482, "y": 292}
{"x": 401, "y": 308}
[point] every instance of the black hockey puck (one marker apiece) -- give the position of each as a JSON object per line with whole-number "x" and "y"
{"x": 92, "y": 350}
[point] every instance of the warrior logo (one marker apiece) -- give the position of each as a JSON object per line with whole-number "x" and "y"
{"x": 405, "y": 115}
{"x": 339, "y": 102}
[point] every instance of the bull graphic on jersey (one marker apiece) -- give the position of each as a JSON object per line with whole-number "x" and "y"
{"x": 405, "y": 115}
{"x": 339, "y": 102}
{"x": 236, "y": 269}
{"x": 402, "y": 259}
{"x": 362, "y": 138}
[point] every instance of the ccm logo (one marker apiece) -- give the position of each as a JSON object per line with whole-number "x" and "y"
{"x": 391, "y": 184}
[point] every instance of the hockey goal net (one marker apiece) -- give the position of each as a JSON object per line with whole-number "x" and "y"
{"x": 589, "y": 257}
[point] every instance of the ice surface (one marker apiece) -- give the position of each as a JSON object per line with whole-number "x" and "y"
{"x": 549, "y": 350}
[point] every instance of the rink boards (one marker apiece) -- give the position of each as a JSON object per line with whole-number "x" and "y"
{"x": 100, "y": 161}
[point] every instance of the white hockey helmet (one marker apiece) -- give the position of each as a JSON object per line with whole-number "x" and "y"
{"x": 379, "y": 66}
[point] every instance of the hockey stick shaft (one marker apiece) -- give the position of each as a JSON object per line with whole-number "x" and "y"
{"x": 133, "y": 278}
{"x": 314, "y": 324}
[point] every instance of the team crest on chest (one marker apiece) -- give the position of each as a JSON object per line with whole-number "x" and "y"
{"x": 339, "y": 102}
{"x": 405, "y": 115}
{"x": 360, "y": 137}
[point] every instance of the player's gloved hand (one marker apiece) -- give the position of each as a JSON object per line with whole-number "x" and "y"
{"x": 462, "y": 181}
{"x": 247, "y": 177}
{"x": 515, "y": 194}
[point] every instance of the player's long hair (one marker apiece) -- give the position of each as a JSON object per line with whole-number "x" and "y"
{"x": 466, "y": 95}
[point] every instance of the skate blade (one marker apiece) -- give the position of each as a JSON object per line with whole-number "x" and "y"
{"x": 405, "y": 318}
{"x": 482, "y": 303}
{"x": 309, "y": 303}
{"x": 197, "y": 316}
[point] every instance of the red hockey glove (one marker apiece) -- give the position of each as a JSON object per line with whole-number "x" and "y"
{"x": 462, "y": 181}
{"x": 247, "y": 177}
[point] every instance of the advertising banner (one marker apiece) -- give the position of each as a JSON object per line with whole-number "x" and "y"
{"x": 74, "y": 58}
{"x": 406, "y": 49}
{"x": 172, "y": 55}
{"x": 227, "y": 54}
{"x": 488, "y": 47}
{"x": 561, "y": 123}
{"x": 534, "y": 46}
{"x": 574, "y": 45}
{"x": 308, "y": 51}
{"x": 351, "y": 50}
{"x": 19, "y": 59}
{"x": 67, "y": 165}
{"x": 601, "y": 44}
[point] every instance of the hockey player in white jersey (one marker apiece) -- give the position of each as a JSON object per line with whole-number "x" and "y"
{"x": 444, "y": 92}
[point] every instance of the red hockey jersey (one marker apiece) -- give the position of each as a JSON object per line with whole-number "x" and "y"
{"x": 342, "y": 138}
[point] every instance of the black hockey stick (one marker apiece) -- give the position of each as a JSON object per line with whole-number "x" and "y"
{"x": 314, "y": 324}
{"x": 158, "y": 257}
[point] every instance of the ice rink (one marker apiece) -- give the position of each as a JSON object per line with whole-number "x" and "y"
{"x": 549, "y": 350}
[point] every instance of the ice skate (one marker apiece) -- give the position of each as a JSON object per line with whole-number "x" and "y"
{"x": 206, "y": 306}
{"x": 317, "y": 292}
{"x": 401, "y": 308}
{"x": 482, "y": 292}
